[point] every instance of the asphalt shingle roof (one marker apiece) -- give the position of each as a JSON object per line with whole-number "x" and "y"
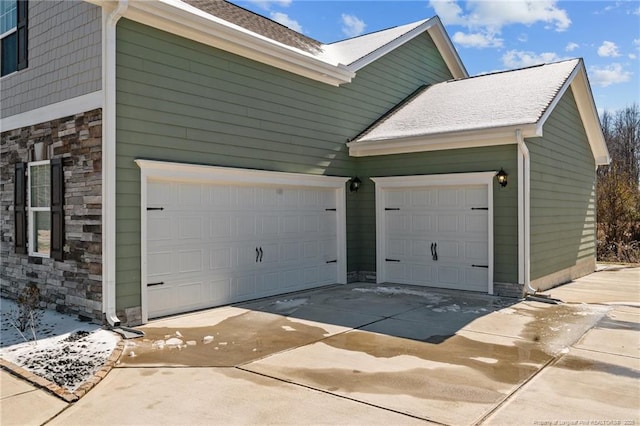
{"x": 500, "y": 99}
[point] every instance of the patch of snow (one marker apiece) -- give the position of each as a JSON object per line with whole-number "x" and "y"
{"x": 431, "y": 297}
{"x": 67, "y": 351}
{"x": 449, "y": 308}
{"x": 485, "y": 360}
{"x": 288, "y": 328}
{"x": 173, "y": 341}
{"x": 191, "y": 343}
{"x": 207, "y": 339}
{"x": 283, "y": 305}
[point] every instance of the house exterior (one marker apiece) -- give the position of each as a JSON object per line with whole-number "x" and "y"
{"x": 186, "y": 154}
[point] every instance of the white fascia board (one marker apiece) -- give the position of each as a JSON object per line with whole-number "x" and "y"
{"x": 189, "y": 22}
{"x": 579, "y": 84}
{"x": 169, "y": 171}
{"x": 65, "y": 108}
{"x": 447, "y": 50}
{"x": 438, "y": 142}
{"x": 435, "y": 29}
{"x": 589, "y": 114}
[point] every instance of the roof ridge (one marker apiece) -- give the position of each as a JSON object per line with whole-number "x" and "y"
{"x": 416, "y": 23}
{"x": 512, "y": 70}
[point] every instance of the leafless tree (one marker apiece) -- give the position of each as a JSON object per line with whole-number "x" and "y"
{"x": 618, "y": 190}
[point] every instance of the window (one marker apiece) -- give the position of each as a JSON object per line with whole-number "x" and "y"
{"x": 39, "y": 209}
{"x": 13, "y": 36}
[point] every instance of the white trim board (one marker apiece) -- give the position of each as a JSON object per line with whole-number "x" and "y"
{"x": 168, "y": 171}
{"x": 72, "y": 106}
{"x": 453, "y": 179}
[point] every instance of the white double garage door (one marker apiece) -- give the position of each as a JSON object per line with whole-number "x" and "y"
{"x": 213, "y": 236}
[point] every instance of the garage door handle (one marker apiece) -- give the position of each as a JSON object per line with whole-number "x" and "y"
{"x": 261, "y": 254}
{"x": 257, "y": 254}
{"x": 154, "y": 284}
{"x": 480, "y": 266}
{"x": 434, "y": 251}
{"x": 392, "y": 260}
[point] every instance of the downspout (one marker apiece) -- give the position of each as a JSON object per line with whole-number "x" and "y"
{"x": 109, "y": 22}
{"x": 524, "y": 213}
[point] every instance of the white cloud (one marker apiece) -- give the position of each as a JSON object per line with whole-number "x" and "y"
{"x": 571, "y": 46}
{"x": 608, "y": 49}
{"x": 636, "y": 42}
{"x": 352, "y": 26}
{"x": 611, "y": 74}
{"x": 520, "y": 59}
{"x": 632, "y": 56}
{"x": 523, "y": 38}
{"x": 478, "y": 40}
{"x": 634, "y": 12}
{"x": 266, "y": 4}
{"x": 493, "y": 15}
{"x": 285, "y": 20}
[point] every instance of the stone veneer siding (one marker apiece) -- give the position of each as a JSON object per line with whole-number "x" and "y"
{"x": 73, "y": 286}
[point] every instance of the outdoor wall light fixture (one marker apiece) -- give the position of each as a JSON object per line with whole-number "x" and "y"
{"x": 502, "y": 177}
{"x": 354, "y": 184}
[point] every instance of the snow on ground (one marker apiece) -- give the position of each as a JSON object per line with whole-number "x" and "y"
{"x": 389, "y": 291}
{"x": 66, "y": 351}
{"x": 285, "y": 305}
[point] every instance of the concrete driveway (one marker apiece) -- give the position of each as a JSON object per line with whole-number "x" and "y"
{"x": 368, "y": 354}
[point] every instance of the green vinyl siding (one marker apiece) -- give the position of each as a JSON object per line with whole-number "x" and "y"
{"x": 181, "y": 101}
{"x": 562, "y": 192}
{"x": 505, "y": 218}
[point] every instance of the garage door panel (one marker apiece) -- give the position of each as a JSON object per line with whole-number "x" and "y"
{"x": 159, "y": 263}
{"x": 421, "y": 223}
{"x": 220, "y": 227}
{"x": 189, "y": 195}
{"x": 420, "y": 248}
{"x": 159, "y": 228}
{"x": 190, "y": 261}
{"x": 190, "y": 228}
{"x": 448, "y": 223}
{"x": 476, "y": 223}
{"x": 448, "y": 251}
{"x": 220, "y": 258}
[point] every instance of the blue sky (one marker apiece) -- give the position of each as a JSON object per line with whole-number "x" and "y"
{"x": 493, "y": 35}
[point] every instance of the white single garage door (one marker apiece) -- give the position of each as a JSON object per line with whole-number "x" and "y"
{"x": 211, "y": 244}
{"x": 436, "y": 236}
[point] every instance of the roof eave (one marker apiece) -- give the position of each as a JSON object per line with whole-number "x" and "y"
{"x": 440, "y": 38}
{"x": 579, "y": 84}
{"x": 187, "y": 21}
{"x": 472, "y": 138}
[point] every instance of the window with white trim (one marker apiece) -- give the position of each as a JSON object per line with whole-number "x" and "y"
{"x": 39, "y": 198}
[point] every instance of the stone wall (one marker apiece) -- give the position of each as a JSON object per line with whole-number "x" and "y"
{"x": 74, "y": 285}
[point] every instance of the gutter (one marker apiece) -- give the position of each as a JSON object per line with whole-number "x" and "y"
{"x": 524, "y": 215}
{"x": 109, "y": 160}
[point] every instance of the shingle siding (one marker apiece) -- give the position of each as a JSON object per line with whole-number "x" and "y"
{"x": 64, "y": 53}
{"x": 186, "y": 102}
{"x": 563, "y": 205}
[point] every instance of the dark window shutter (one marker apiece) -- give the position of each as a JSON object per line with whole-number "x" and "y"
{"x": 22, "y": 33}
{"x": 57, "y": 209}
{"x": 20, "y": 208}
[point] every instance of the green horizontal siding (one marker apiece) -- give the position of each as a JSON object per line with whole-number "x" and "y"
{"x": 181, "y": 101}
{"x": 505, "y": 200}
{"x": 563, "y": 206}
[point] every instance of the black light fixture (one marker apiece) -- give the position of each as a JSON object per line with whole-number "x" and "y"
{"x": 502, "y": 177}
{"x": 354, "y": 184}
